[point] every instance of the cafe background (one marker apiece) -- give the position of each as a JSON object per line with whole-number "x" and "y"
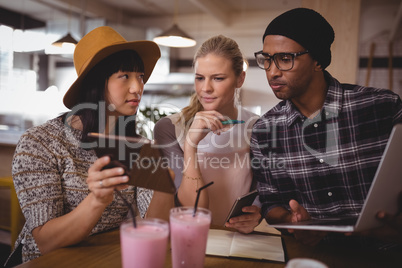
{"x": 34, "y": 76}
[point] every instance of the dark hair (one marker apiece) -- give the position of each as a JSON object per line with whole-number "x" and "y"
{"x": 93, "y": 91}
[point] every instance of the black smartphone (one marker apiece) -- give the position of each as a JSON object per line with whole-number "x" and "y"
{"x": 242, "y": 201}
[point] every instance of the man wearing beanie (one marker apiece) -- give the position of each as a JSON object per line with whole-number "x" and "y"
{"x": 315, "y": 154}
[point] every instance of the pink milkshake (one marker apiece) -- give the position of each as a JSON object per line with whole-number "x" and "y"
{"x": 146, "y": 245}
{"x": 189, "y": 236}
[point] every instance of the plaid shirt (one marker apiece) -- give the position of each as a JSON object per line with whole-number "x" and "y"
{"x": 327, "y": 163}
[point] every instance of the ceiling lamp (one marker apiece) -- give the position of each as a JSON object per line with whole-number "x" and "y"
{"x": 65, "y": 45}
{"x": 174, "y": 36}
{"x": 67, "y": 42}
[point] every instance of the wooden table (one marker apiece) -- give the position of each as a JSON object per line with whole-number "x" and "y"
{"x": 103, "y": 250}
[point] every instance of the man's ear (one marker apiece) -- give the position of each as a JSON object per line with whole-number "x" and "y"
{"x": 317, "y": 67}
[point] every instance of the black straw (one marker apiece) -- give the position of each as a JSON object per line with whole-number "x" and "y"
{"x": 130, "y": 207}
{"x": 198, "y": 196}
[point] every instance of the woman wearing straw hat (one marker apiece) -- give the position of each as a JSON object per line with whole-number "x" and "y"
{"x": 63, "y": 191}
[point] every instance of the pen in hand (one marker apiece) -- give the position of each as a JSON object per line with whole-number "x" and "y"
{"x": 232, "y": 122}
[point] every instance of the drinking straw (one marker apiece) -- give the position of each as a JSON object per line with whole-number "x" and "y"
{"x": 198, "y": 196}
{"x": 130, "y": 207}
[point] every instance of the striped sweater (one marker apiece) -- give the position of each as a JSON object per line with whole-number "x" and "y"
{"x": 49, "y": 171}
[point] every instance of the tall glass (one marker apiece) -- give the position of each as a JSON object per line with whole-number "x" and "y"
{"x": 146, "y": 245}
{"x": 188, "y": 236}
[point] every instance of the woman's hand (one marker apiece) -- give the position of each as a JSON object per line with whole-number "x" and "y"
{"x": 204, "y": 122}
{"x": 76, "y": 225}
{"x": 102, "y": 183}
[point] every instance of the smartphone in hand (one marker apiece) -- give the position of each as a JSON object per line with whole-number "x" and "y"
{"x": 242, "y": 201}
{"x": 141, "y": 159}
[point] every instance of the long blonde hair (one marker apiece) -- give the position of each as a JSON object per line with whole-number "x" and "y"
{"x": 221, "y": 46}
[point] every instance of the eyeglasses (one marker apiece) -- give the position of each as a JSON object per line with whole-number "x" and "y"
{"x": 283, "y": 61}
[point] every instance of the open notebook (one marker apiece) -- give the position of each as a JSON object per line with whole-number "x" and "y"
{"x": 251, "y": 246}
{"x": 383, "y": 194}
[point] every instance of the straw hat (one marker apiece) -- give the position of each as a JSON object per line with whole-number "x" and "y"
{"x": 97, "y": 45}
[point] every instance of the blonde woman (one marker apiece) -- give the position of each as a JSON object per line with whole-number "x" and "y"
{"x": 201, "y": 148}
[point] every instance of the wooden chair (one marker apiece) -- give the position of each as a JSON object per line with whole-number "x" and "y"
{"x": 16, "y": 217}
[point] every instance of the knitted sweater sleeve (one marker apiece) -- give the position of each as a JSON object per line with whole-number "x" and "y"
{"x": 37, "y": 181}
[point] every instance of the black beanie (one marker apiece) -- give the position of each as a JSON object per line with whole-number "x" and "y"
{"x": 308, "y": 28}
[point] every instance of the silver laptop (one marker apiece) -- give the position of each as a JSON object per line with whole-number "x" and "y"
{"x": 383, "y": 194}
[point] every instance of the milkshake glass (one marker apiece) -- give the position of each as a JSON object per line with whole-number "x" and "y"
{"x": 146, "y": 245}
{"x": 188, "y": 236}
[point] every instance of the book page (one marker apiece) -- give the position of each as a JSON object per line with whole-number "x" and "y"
{"x": 219, "y": 242}
{"x": 264, "y": 227}
{"x": 257, "y": 247}
{"x": 254, "y": 246}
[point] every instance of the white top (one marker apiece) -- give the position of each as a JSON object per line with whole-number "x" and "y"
{"x": 224, "y": 159}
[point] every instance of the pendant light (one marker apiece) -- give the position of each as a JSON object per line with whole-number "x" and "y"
{"x": 66, "y": 41}
{"x": 174, "y": 36}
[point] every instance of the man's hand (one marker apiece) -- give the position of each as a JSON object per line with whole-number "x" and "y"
{"x": 299, "y": 213}
{"x": 391, "y": 231}
{"x": 247, "y": 222}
